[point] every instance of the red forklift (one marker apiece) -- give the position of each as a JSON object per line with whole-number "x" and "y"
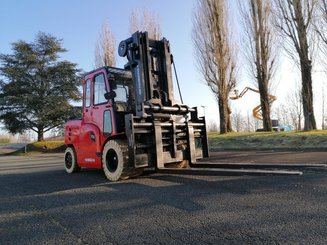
{"x": 130, "y": 118}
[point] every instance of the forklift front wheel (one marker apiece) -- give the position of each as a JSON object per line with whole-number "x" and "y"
{"x": 70, "y": 161}
{"x": 115, "y": 160}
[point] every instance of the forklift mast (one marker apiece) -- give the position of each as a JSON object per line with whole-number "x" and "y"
{"x": 159, "y": 131}
{"x": 150, "y": 64}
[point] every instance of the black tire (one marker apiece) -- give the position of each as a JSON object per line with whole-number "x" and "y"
{"x": 115, "y": 162}
{"x": 70, "y": 163}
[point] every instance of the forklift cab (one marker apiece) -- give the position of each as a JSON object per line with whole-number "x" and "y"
{"x": 120, "y": 94}
{"x": 106, "y": 96}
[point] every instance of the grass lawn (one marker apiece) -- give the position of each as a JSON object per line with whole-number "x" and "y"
{"x": 313, "y": 140}
{"x": 46, "y": 146}
{"x": 36, "y": 147}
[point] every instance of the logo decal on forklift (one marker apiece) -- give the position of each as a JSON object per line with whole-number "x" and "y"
{"x": 89, "y": 160}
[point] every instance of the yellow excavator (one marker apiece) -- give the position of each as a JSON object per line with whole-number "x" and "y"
{"x": 256, "y": 112}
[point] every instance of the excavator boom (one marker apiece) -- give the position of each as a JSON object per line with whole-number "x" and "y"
{"x": 256, "y": 112}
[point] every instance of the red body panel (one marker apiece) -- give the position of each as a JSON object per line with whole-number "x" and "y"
{"x": 86, "y": 135}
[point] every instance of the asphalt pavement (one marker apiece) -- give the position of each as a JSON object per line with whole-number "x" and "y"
{"x": 41, "y": 204}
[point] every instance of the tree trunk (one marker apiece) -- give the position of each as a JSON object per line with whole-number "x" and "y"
{"x": 40, "y": 133}
{"x": 267, "y": 124}
{"x": 265, "y": 106}
{"x": 229, "y": 124}
{"x": 307, "y": 97}
{"x": 224, "y": 115}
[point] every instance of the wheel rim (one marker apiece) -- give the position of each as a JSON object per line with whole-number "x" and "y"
{"x": 68, "y": 160}
{"x": 112, "y": 161}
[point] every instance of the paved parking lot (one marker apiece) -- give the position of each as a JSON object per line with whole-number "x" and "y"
{"x": 41, "y": 204}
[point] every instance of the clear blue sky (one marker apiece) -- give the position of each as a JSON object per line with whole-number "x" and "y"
{"x": 78, "y": 23}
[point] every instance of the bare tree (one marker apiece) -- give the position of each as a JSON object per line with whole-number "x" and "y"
{"x": 282, "y": 113}
{"x": 105, "y": 48}
{"x": 295, "y": 21}
{"x": 238, "y": 121}
{"x": 321, "y": 30}
{"x": 214, "y": 54}
{"x": 212, "y": 126}
{"x": 321, "y": 25}
{"x": 323, "y": 110}
{"x": 296, "y": 108}
{"x": 145, "y": 21}
{"x": 251, "y": 123}
{"x": 261, "y": 54}
{"x": 291, "y": 112}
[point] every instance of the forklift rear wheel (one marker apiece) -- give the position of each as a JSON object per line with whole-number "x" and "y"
{"x": 70, "y": 161}
{"x": 115, "y": 160}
